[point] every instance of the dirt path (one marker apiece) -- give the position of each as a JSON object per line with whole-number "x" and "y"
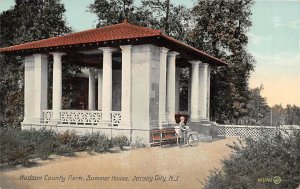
{"x": 142, "y": 168}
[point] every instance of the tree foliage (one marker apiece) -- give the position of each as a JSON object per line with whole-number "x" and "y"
{"x": 25, "y": 21}
{"x": 157, "y": 14}
{"x": 257, "y": 108}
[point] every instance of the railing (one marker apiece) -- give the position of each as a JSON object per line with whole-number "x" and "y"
{"x": 245, "y": 131}
{"x": 81, "y": 117}
{"x": 115, "y": 118}
{"x": 47, "y": 115}
{"x": 250, "y": 131}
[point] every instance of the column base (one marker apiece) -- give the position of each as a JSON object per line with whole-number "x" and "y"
{"x": 171, "y": 118}
{"x": 38, "y": 121}
{"x": 194, "y": 118}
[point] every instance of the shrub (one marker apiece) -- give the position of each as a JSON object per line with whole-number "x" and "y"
{"x": 120, "y": 141}
{"x": 65, "y": 150}
{"x": 45, "y": 141}
{"x": 253, "y": 160}
{"x": 103, "y": 143}
{"x": 138, "y": 143}
{"x": 71, "y": 139}
{"x": 17, "y": 147}
{"x": 67, "y": 137}
{"x": 13, "y": 148}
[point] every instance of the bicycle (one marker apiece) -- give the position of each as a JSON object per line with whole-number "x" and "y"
{"x": 187, "y": 137}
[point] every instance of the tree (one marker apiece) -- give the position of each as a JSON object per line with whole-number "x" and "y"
{"x": 257, "y": 108}
{"x": 158, "y": 14}
{"x": 278, "y": 115}
{"x": 112, "y": 11}
{"x": 172, "y": 20}
{"x": 220, "y": 30}
{"x": 292, "y": 115}
{"x": 26, "y": 21}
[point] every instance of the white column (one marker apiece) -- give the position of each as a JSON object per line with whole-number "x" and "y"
{"x": 162, "y": 87}
{"x": 100, "y": 89}
{"x": 57, "y": 85}
{"x": 203, "y": 90}
{"x": 189, "y": 91}
{"x": 40, "y": 85}
{"x": 107, "y": 85}
{"x": 177, "y": 90}
{"x": 171, "y": 86}
{"x": 208, "y": 92}
{"x": 194, "y": 91}
{"x": 29, "y": 102}
{"x": 126, "y": 85}
{"x": 92, "y": 89}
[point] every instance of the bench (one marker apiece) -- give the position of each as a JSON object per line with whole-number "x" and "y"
{"x": 163, "y": 136}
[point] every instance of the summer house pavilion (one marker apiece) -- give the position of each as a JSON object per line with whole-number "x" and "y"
{"x": 132, "y": 76}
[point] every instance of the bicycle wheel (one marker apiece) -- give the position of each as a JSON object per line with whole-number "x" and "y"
{"x": 193, "y": 139}
{"x": 180, "y": 141}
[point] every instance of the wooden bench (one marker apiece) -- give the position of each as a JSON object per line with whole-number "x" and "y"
{"x": 163, "y": 136}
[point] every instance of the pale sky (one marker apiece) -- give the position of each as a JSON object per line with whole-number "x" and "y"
{"x": 274, "y": 43}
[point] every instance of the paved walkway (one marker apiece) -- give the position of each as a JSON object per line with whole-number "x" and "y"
{"x": 159, "y": 167}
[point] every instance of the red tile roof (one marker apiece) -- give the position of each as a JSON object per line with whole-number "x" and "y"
{"x": 119, "y": 31}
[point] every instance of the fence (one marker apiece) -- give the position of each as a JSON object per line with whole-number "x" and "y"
{"x": 251, "y": 131}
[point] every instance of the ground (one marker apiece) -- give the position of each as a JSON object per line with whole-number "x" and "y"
{"x": 158, "y": 167}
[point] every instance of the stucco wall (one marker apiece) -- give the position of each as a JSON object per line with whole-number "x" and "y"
{"x": 154, "y": 84}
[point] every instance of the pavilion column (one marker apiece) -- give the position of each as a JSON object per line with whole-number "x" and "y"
{"x": 177, "y": 90}
{"x": 162, "y": 120}
{"x": 171, "y": 82}
{"x": 57, "y": 85}
{"x": 203, "y": 90}
{"x": 194, "y": 91}
{"x": 208, "y": 92}
{"x": 40, "y": 85}
{"x": 100, "y": 81}
{"x": 91, "y": 89}
{"x": 107, "y": 85}
{"x": 189, "y": 90}
{"x": 29, "y": 74}
{"x": 126, "y": 85}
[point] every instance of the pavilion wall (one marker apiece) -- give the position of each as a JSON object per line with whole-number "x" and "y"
{"x": 145, "y": 79}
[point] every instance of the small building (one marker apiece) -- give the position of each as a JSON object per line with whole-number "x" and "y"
{"x": 133, "y": 83}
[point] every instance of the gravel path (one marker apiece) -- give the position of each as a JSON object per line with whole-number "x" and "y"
{"x": 159, "y": 167}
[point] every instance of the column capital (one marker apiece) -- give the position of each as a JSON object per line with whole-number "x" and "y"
{"x": 92, "y": 70}
{"x": 126, "y": 48}
{"x": 57, "y": 54}
{"x": 107, "y": 49}
{"x": 29, "y": 61}
{"x": 173, "y": 54}
{"x": 164, "y": 50}
{"x": 195, "y": 62}
{"x": 99, "y": 71}
{"x": 40, "y": 55}
{"x": 204, "y": 65}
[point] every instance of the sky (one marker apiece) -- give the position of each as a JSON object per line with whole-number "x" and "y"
{"x": 274, "y": 42}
